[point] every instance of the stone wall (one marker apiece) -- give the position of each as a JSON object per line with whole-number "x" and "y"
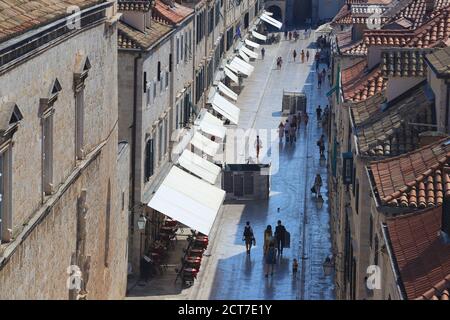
{"x": 46, "y": 232}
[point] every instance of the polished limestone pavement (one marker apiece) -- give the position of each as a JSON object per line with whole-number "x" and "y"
{"x": 227, "y": 271}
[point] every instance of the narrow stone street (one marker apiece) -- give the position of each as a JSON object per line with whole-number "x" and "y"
{"x": 227, "y": 272}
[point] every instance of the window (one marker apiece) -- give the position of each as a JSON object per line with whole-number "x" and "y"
{"x": 149, "y": 94}
{"x": 160, "y": 142}
{"x": 170, "y": 62}
{"x": 154, "y": 90}
{"x": 5, "y": 195}
{"x": 186, "y": 46}
{"x": 166, "y": 134}
{"x": 149, "y": 160}
{"x": 357, "y": 197}
{"x": 79, "y": 85}
{"x": 182, "y": 48}
{"x": 79, "y": 127}
{"x": 347, "y": 167}
{"x": 167, "y": 79}
{"x": 375, "y": 255}
{"x": 178, "y": 51}
{"x": 107, "y": 223}
{"x": 47, "y": 154}
{"x": 370, "y": 231}
{"x": 177, "y": 116}
{"x": 158, "y": 72}
{"x": 210, "y": 21}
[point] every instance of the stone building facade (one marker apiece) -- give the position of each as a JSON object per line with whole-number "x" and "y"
{"x": 64, "y": 206}
{"x": 167, "y": 63}
{"x": 386, "y": 105}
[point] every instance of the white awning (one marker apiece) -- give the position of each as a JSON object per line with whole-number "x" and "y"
{"x": 231, "y": 75}
{"x": 268, "y": 13}
{"x": 252, "y": 44}
{"x": 199, "y": 166}
{"x": 206, "y": 145}
{"x": 271, "y": 20}
{"x": 227, "y": 91}
{"x": 259, "y": 36}
{"x": 189, "y": 200}
{"x": 212, "y": 125}
{"x": 242, "y": 66}
{"x": 249, "y": 52}
{"x": 244, "y": 56}
{"x": 226, "y": 108}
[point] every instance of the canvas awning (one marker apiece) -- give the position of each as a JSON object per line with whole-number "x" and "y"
{"x": 212, "y": 125}
{"x": 249, "y": 52}
{"x": 199, "y": 166}
{"x": 227, "y": 91}
{"x": 252, "y": 44}
{"x": 271, "y": 21}
{"x": 189, "y": 200}
{"x": 204, "y": 144}
{"x": 225, "y": 108}
{"x": 244, "y": 55}
{"x": 231, "y": 75}
{"x": 242, "y": 66}
{"x": 259, "y": 36}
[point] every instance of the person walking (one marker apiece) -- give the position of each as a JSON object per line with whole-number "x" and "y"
{"x": 281, "y": 131}
{"x": 294, "y": 268}
{"x": 263, "y": 52}
{"x": 271, "y": 259}
{"x": 299, "y": 119}
{"x": 319, "y": 113}
{"x": 317, "y": 184}
{"x": 280, "y": 234}
{"x": 306, "y": 119}
{"x": 285, "y": 35}
{"x": 294, "y": 54}
{"x": 258, "y": 146}
{"x": 307, "y": 55}
{"x": 281, "y": 62}
{"x": 303, "y": 56}
{"x": 317, "y": 58}
{"x": 321, "y": 145}
{"x": 292, "y": 131}
{"x": 268, "y": 237}
{"x": 286, "y": 130}
{"x": 290, "y": 36}
{"x": 248, "y": 237}
{"x": 319, "y": 80}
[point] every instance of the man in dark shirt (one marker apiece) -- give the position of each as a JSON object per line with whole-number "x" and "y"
{"x": 280, "y": 233}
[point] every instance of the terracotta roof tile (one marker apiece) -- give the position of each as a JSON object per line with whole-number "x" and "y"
{"x": 18, "y": 16}
{"x": 440, "y": 60}
{"x": 422, "y": 258}
{"x": 364, "y": 86}
{"x": 388, "y": 133}
{"x": 404, "y": 62}
{"x": 365, "y": 110}
{"x": 358, "y": 48}
{"x": 172, "y": 14}
{"x": 416, "y": 179}
{"x": 130, "y": 38}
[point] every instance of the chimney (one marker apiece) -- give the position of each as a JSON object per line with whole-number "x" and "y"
{"x": 445, "y": 226}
